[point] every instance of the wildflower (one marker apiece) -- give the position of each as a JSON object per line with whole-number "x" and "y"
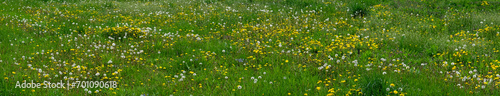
{"x": 395, "y": 92}
{"x": 318, "y": 88}
{"x": 239, "y": 87}
{"x": 392, "y": 85}
{"x": 383, "y": 59}
{"x": 110, "y": 61}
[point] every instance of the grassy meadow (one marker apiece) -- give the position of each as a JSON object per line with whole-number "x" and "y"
{"x": 252, "y": 47}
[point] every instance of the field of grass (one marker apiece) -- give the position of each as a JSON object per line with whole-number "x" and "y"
{"x": 252, "y": 47}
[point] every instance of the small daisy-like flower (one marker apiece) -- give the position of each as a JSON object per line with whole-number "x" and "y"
{"x": 239, "y": 87}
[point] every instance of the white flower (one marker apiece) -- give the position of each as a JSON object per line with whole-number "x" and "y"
{"x": 226, "y": 77}
{"x": 96, "y": 91}
{"x": 194, "y": 74}
{"x": 383, "y": 73}
{"x": 383, "y": 59}
{"x": 90, "y": 92}
{"x": 110, "y": 61}
{"x": 387, "y": 89}
{"x": 255, "y": 80}
{"x": 223, "y": 51}
{"x": 97, "y": 74}
{"x": 264, "y": 73}
{"x": 239, "y": 87}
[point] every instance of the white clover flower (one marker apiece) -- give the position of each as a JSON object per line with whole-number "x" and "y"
{"x": 223, "y": 51}
{"x": 383, "y": 73}
{"x": 110, "y": 61}
{"x": 226, "y": 77}
{"x": 239, "y": 87}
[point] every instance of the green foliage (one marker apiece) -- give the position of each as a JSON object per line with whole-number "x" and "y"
{"x": 374, "y": 85}
{"x": 359, "y": 9}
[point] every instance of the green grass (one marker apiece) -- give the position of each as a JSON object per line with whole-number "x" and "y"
{"x": 252, "y": 47}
